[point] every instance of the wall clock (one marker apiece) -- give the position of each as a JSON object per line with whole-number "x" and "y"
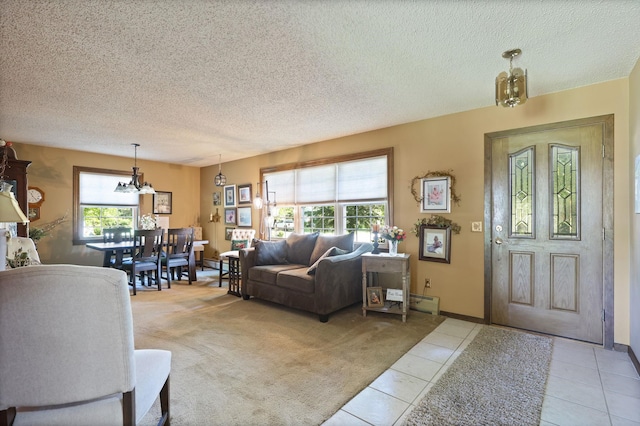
{"x": 35, "y": 196}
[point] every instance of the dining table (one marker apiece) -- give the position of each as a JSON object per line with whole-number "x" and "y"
{"x": 121, "y": 247}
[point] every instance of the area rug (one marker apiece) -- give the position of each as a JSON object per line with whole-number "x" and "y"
{"x": 239, "y": 362}
{"x": 499, "y": 379}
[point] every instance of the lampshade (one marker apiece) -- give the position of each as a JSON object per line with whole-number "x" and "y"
{"x": 9, "y": 209}
{"x": 511, "y": 88}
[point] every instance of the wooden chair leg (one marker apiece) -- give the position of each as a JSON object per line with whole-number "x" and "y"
{"x": 7, "y": 416}
{"x": 129, "y": 408}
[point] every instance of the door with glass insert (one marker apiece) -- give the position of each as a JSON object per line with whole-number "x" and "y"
{"x": 547, "y": 231}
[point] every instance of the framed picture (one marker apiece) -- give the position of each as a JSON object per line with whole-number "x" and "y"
{"x": 230, "y": 196}
{"x": 244, "y": 194}
{"x": 162, "y": 202}
{"x": 230, "y": 216}
{"x": 244, "y": 216}
{"x": 217, "y": 198}
{"x": 227, "y": 233}
{"x": 435, "y": 244}
{"x": 436, "y": 195}
{"x": 374, "y": 297}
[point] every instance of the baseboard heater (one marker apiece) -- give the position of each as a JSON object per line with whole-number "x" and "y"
{"x": 428, "y": 304}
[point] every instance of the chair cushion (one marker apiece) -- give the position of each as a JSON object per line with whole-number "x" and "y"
{"x": 333, "y": 251}
{"x": 271, "y": 252}
{"x": 325, "y": 242}
{"x": 300, "y": 247}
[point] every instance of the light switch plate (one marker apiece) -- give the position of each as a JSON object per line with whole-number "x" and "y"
{"x": 476, "y": 226}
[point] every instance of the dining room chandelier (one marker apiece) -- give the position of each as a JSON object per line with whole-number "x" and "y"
{"x": 511, "y": 88}
{"x": 134, "y": 184}
{"x": 220, "y": 179}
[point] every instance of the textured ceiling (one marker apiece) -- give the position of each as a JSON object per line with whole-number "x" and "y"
{"x": 189, "y": 80}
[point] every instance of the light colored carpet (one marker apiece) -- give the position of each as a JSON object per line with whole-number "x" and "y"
{"x": 238, "y": 362}
{"x": 499, "y": 379}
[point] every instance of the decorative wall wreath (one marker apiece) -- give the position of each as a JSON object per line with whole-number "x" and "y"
{"x": 417, "y": 196}
{"x": 436, "y": 220}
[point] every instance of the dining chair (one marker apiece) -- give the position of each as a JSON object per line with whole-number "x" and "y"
{"x": 176, "y": 256}
{"x": 67, "y": 350}
{"x": 118, "y": 234}
{"x": 146, "y": 256}
{"x": 240, "y": 239}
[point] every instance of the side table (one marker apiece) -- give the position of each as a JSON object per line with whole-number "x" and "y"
{"x": 398, "y": 264}
{"x": 234, "y": 275}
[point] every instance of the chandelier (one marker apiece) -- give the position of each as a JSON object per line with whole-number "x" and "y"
{"x": 220, "y": 179}
{"x": 511, "y": 89}
{"x": 134, "y": 184}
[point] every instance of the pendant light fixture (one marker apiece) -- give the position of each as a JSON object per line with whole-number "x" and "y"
{"x": 134, "y": 185}
{"x": 220, "y": 179}
{"x": 511, "y": 89}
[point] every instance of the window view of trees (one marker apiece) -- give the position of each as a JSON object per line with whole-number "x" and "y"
{"x": 96, "y": 218}
{"x": 359, "y": 219}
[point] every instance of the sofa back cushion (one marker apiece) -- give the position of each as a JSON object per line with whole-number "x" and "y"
{"x": 333, "y": 251}
{"x": 270, "y": 252}
{"x": 325, "y": 242}
{"x": 300, "y": 247}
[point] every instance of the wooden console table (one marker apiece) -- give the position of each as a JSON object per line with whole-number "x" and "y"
{"x": 398, "y": 264}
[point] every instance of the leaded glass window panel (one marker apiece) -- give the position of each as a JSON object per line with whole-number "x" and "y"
{"x": 565, "y": 191}
{"x": 522, "y": 193}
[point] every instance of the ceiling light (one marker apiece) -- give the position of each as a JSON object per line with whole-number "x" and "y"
{"x": 511, "y": 89}
{"x": 220, "y": 179}
{"x": 134, "y": 185}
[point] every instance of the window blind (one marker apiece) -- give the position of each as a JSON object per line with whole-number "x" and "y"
{"x": 98, "y": 189}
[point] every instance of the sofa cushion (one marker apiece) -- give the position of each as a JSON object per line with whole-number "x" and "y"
{"x": 297, "y": 280}
{"x": 300, "y": 247}
{"x": 271, "y": 252}
{"x": 325, "y": 242}
{"x": 268, "y": 273}
{"x": 333, "y": 251}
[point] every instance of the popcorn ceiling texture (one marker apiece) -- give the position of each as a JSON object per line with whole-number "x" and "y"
{"x": 190, "y": 80}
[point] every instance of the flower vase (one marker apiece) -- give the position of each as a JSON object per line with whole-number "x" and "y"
{"x": 393, "y": 247}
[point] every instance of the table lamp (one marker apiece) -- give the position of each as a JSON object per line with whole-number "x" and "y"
{"x": 9, "y": 212}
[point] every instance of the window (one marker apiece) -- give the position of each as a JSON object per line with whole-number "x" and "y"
{"x": 97, "y": 206}
{"x": 333, "y": 196}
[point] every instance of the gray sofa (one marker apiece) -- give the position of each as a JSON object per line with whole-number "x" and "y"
{"x": 315, "y": 273}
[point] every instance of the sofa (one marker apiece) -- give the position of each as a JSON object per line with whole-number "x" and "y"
{"x": 311, "y": 272}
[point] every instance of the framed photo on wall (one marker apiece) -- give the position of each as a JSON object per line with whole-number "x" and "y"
{"x": 244, "y": 216}
{"x": 230, "y": 216}
{"x": 435, "y": 244}
{"x": 229, "y": 196}
{"x": 227, "y": 233}
{"x": 217, "y": 198}
{"x": 435, "y": 195}
{"x": 244, "y": 194}
{"x": 162, "y": 202}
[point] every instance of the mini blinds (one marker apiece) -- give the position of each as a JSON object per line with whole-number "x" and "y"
{"x": 349, "y": 181}
{"x": 97, "y": 189}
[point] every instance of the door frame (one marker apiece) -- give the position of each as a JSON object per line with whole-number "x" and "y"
{"x": 607, "y": 122}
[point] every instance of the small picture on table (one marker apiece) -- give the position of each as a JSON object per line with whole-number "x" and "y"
{"x": 374, "y": 297}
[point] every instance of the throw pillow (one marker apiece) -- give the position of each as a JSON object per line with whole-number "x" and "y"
{"x": 271, "y": 252}
{"x": 299, "y": 248}
{"x": 325, "y": 242}
{"x": 333, "y": 251}
{"x": 239, "y": 244}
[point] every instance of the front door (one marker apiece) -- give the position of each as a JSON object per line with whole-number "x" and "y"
{"x": 547, "y": 234}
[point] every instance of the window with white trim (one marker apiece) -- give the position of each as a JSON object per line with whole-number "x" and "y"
{"x": 333, "y": 196}
{"x": 97, "y": 206}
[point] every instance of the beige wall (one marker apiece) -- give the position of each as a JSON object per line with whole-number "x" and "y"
{"x": 456, "y": 142}
{"x": 634, "y": 151}
{"x": 52, "y": 171}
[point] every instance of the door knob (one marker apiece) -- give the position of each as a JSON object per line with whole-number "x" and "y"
{"x": 498, "y": 241}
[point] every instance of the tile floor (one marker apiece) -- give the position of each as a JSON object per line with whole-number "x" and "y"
{"x": 587, "y": 385}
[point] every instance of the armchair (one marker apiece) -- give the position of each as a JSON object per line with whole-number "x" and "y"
{"x": 67, "y": 352}
{"x": 240, "y": 239}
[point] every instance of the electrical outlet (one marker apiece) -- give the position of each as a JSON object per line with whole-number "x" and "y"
{"x": 427, "y": 282}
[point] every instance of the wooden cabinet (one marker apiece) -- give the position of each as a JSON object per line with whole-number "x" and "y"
{"x": 16, "y": 174}
{"x": 398, "y": 264}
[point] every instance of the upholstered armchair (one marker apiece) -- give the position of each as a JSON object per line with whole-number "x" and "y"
{"x": 21, "y": 251}
{"x": 67, "y": 352}
{"x": 240, "y": 239}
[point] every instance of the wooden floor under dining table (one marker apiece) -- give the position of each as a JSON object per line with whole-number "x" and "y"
{"x": 108, "y": 248}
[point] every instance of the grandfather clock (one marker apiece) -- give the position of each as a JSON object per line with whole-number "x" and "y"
{"x": 16, "y": 174}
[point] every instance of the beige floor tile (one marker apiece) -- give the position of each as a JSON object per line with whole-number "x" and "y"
{"x": 342, "y": 418}
{"x": 453, "y": 330}
{"x": 433, "y": 352}
{"x": 620, "y": 384}
{"x": 623, "y": 406}
{"x": 444, "y": 340}
{"x": 564, "y": 413}
{"x": 589, "y": 376}
{"x": 376, "y": 407}
{"x": 399, "y": 385}
{"x": 568, "y": 390}
{"x": 418, "y": 367}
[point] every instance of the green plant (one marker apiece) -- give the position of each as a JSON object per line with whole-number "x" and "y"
{"x": 436, "y": 220}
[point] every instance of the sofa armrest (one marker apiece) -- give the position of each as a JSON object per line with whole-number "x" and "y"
{"x": 247, "y": 261}
{"x": 339, "y": 279}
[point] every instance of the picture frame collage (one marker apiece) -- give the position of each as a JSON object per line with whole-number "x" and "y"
{"x": 435, "y": 241}
{"x": 237, "y": 206}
